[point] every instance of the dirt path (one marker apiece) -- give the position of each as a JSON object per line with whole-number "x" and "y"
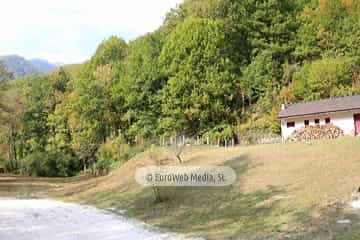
{"x": 46, "y": 219}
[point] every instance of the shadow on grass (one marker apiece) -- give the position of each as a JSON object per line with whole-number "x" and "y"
{"x": 334, "y": 221}
{"x": 211, "y": 212}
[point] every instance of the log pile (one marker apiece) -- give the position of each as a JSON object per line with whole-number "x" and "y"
{"x": 316, "y": 132}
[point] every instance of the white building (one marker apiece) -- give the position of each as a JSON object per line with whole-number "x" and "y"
{"x": 343, "y": 112}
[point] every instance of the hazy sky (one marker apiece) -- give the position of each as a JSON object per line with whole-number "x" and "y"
{"x": 69, "y": 31}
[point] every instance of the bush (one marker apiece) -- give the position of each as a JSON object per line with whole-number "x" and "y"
{"x": 34, "y": 164}
{"x": 256, "y": 132}
{"x": 102, "y": 167}
{"x": 116, "y": 150}
{"x": 2, "y": 163}
{"x": 50, "y": 164}
{"x": 220, "y": 133}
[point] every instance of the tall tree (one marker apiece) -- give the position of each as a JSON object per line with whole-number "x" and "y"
{"x": 142, "y": 84}
{"x": 323, "y": 78}
{"x": 92, "y": 114}
{"x": 265, "y": 24}
{"x": 200, "y": 92}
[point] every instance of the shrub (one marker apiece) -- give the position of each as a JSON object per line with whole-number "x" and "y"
{"x": 34, "y": 164}
{"x": 116, "y": 150}
{"x": 103, "y": 166}
{"x": 219, "y": 133}
{"x": 50, "y": 164}
{"x": 2, "y": 163}
{"x": 256, "y": 132}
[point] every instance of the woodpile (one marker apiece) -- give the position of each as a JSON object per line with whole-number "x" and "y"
{"x": 315, "y": 132}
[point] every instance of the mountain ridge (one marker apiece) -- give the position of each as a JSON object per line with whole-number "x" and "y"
{"x": 44, "y": 65}
{"x": 21, "y": 66}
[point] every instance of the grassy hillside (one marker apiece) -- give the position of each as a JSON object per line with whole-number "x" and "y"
{"x": 73, "y": 69}
{"x": 287, "y": 191}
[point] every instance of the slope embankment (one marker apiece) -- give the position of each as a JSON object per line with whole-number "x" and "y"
{"x": 282, "y": 191}
{"x": 285, "y": 191}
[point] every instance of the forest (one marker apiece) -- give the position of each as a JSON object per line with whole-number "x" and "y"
{"x": 215, "y": 69}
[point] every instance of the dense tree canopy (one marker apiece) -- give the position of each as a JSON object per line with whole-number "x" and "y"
{"x": 201, "y": 86}
{"x": 215, "y": 68}
{"x": 141, "y": 86}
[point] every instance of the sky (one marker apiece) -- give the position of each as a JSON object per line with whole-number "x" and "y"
{"x": 68, "y": 31}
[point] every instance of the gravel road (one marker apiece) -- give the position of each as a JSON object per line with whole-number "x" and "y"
{"x": 47, "y": 219}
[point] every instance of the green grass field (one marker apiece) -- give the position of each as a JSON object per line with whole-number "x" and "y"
{"x": 282, "y": 191}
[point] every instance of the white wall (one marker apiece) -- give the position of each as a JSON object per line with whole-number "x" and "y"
{"x": 343, "y": 120}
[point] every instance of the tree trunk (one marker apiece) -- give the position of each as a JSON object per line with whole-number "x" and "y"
{"x": 179, "y": 158}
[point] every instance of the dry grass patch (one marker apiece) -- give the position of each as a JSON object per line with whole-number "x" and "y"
{"x": 282, "y": 191}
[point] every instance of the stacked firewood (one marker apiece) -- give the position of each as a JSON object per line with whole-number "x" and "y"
{"x": 314, "y": 132}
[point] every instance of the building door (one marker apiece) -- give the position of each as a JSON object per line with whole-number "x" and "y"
{"x": 357, "y": 123}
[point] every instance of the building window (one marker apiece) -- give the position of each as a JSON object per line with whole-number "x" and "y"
{"x": 306, "y": 123}
{"x": 290, "y": 124}
{"x": 327, "y": 120}
{"x": 317, "y": 121}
